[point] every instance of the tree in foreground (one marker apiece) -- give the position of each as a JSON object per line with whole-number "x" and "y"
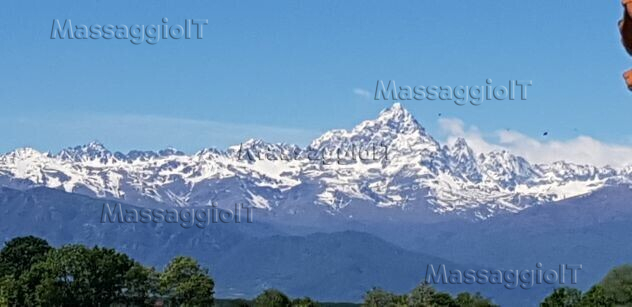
{"x": 141, "y": 286}
{"x": 9, "y": 291}
{"x": 304, "y": 302}
{"x": 272, "y": 298}
{"x": 425, "y": 295}
{"x": 185, "y": 283}
{"x": 442, "y": 299}
{"x": 466, "y": 299}
{"x": 617, "y": 285}
{"x": 16, "y": 258}
{"x": 614, "y": 290}
{"x": 378, "y": 298}
{"x": 422, "y": 295}
{"x": 76, "y": 275}
{"x": 34, "y": 274}
{"x": 563, "y": 297}
{"x": 19, "y": 254}
{"x": 596, "y": 297}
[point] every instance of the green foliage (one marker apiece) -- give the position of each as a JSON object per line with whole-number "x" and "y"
{"x": 618, "y": 285}
{"x": 76, "y": 275}
{"x": 596, "y": 297}
{"x": 141, "y": 285}
{"x": 185, "y": 283}
{"x": 8, "y": 290}
{"x": 563, "y": 297}
{"x": 304, "y": 302}
{"x": 34, "y": 274}
{"x": 272, "y": 298}
{"x": 424, "y": 295}
{"x": 19, "y": 254}
{"x": 72, "y": 275}
{"x": 614, "y": 290}
{"x": 381, "y": 298}
{"x": 442, "y": 299}
{"x": 232, "y": 303}
{"x": 466, "y": 299}
{"x": 275, "y": 295}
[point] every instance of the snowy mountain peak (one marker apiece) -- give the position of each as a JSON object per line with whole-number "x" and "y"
{"x": 390, "y": 161}
{"x": 137, "y": 155}
{"x": 394, "y": 119}
{"x": 254, "y": 142}
{"x": 506, "y": 168}
{"x": 461, "y": 150}
{"x": 460, "y": 143}
{"x": 397, "y": 115}
{"x": 25, "y": 153}
{"x": 89, "y": 152}
{"x": 170, "y": 151}
{"x": 463, "y": 160}
{"x": 209, "y": 153}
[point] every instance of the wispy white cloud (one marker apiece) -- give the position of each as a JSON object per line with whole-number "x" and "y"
{"x": 582, "y": 149}
{"x": 362, "y": 93}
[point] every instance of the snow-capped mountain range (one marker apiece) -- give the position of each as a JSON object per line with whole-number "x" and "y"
{"x": 408, "y": 168}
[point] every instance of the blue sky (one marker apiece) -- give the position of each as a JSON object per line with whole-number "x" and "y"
{"x": 289, "y": 70}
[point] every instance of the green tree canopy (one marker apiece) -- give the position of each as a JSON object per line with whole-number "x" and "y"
{"x": 304, "y": 302}
{"x": 563, "y": 297}
{"x": 185, "y": 283}
{"x": 596, "y": 297}
{"x": 618, "y": 285}
{"x": 76, "y": 275}
{"x": 614, "y": 290}
{"x": 18, "y": 255}
{"x": 442, "y": 299}
{"x": 466, "y": 299}
{"x": 141, "y": 285}
{"x": 9, "y": 290}
{"x": 422, "y": 295}
{"x": 425, "y": 295}
{"x": 377, "y": 297}
{"x": 272, "y": 298}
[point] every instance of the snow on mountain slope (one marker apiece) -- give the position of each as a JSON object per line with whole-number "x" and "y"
{"x": 387, "y": 162}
